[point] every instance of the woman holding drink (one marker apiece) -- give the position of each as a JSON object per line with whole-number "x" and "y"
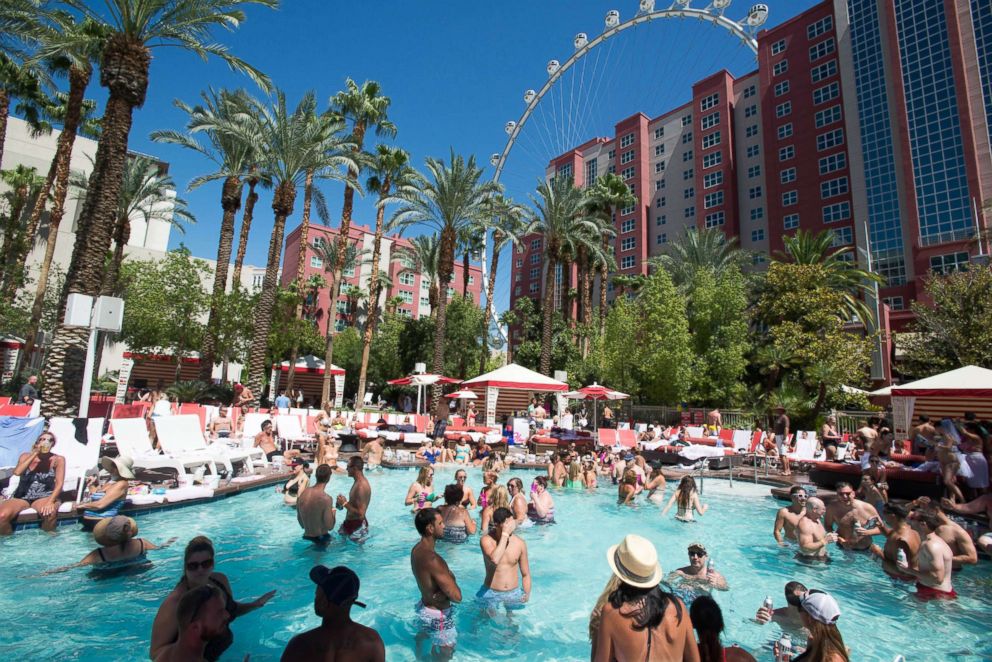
{"x": 42, "y": 473}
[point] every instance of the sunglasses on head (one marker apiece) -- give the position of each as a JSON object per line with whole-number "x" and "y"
{"x": 196, "y": 565}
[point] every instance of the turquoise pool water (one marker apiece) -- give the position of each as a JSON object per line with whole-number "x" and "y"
{"x": 71, "y": 616}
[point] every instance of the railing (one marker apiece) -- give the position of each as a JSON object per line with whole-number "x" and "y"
{"x": 847, "y": 421}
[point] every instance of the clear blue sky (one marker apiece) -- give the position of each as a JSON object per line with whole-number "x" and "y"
{"x": 456, "y": 72}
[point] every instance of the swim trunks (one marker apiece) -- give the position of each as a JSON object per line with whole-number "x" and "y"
{"x": 319, "y": 540}
{"x": 355, "y": 530}
{"x": 440, "y": 624}
{"x": 491, "y": 598}
{"x": 931, "y": 593}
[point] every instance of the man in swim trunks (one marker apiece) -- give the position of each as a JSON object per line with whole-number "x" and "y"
{"x": 355, "y": 525}
{"x": 857, "y": 521}
{"x": 222, "y": 427}
{"x": 266, "y": 440}
{"x": 337, "y": 637}
{"x": 438, "y": 587}
{"x": 961, "y": 544}
{"x": 923, "y": 435}
{"x": 787, "y": 519}
{"x": 315, "y": 510}
{"x": 901, "y": 536}
{"x": 812, "y": 536}
{"x": 504, "y": 554}
{"x": 782, "y": 447}
{"x": 867, "y": 435}
{"x": 934, "y": 561}
{"x": 372, "y": 452}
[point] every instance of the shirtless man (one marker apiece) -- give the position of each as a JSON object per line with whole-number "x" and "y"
{"x": 787, "y": 519}
{"x": 438, "y": 587}
{"x": 868, "y": 434}
{"x": 202, "y": 616}
{"x": 337, "y": 637}
{"x": 812, "y": 535}
{"x": 504, "y": 554}
{"x": 934, "y": 561}
{"x": 982, "y": 504}
{"x": 698, "y": 572}
{"x": 900, "y": 537}
{"x": 315, "y": 510}
{"x": 787, "y": 617}
{"x": 222, "y": 427}
{"x": 949, "y": 531}
{"x": 355, "y": 526}
{"x": 372, "y": 453}
{"x": 923, "y": 435}
{"x": 856, "y": 520}
{"x": 266, "y": 440}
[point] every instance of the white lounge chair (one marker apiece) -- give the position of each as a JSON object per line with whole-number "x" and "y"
{"x": 290, "y": 430}
{"x": 131, "y": 438}
{"x": 742, "y": 440}
{"x": 181, "y": 435}
{"x": 805, "y": 448}
{"x": 79, "y": 458}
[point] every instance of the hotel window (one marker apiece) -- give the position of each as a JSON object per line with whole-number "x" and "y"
{"x": 751, "y": 131}
{"x": 318, "y": 242}
{"x": 661, "y": 219}
{"x": 687, "y": 137}
{"x": 629, "y": 209}
{"x": 612, "y": 169}
{"x": 778, "y": 47}
{"x": 894, "y": 303}
{"x": 627, "y": 226}
{"x": 821, "y": 71}
{"x": 751, "y": 110}
{"x": 627, "y": 173}
{"x": 592, "y": 171}
{"x": 612, "y": 154}
{"x": 406, "y": 296}
{"x": 687, "y": 156}
{"x": 828, "y": 116}
{"x": 659, "y": 184}
{"x": 757, "y": 213}
{"x": 829, "y": 139}
{"x": 661, "y": 238}
{"x": 754, "y": 192}
{"x": 533, "y": 288}
{"x": 754, "y": 171}
{"x": 519, "y": 263}
{"x": 753, "y": 150}
{"x": 689, "y": 212}
{"x": 659, "y": 149}
{"x": 659, "y": 166}
{"x": 783, "y": 109}
{"x": 535, "y": 244}
{"x": 785, "y": 131}
{"x": 517, "y": 277}
{"x": 687, "y": 119}
{"x": 628, "y": 244}
{"x": 659, "y": 132}
{"x": 708, "y": 102}
{"x": 714, "y": 159}
{"x": 715, "y": 219}
{"x": 711, "y": 139}
{"x": 316, "y": 262}
{"x": 535, "y": 258}
{"x": 710, "y": 121}
{"x": 349, "y": 272}
{"x": 660, "y": 202}
{"x": 425, "y": 286}
{"x": 833, "y": 163}
{"x": 628, "y": 262}
{"x": 689, "y": 192}
{"x": 633, "y": 188}
{"x": 786, "y": 153}
{"x": 425, "y": 302}
{"x": 842, "y": 236}
{"x": 750, "y": 91}
{"x": 780, "y": 68}
{"x": 826, "y": 93}
{"x": 688, "y": 174}
{"x": 627, "y": 157}
{"x": 627, "y": 140}
{"x": 790, "y": 221}
{"x": 825, "y": 47}
{"x": 787, "y": 175}
{"x": 758, "y": 235}
{"x": 833, "y": 187}
{"x": 814, "y": 30}
{"x": 790, "y": 198}
{"x": 713, "y": 179}
{"x": 781, "y": 88}
{"x": 534, "y": 273}
{"x": 407, "y": 278}
{"x": 565, "y": 170}
{"x": 713, "y": 199}
{"x": 840, "y": 211}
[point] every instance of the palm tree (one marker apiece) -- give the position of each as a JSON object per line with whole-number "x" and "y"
{"x": 841, "y": 273}
{"x": 563, "y": 218}
{"x": 422, "y": 255}
{"x": 392, "y": 303}
{"x": 254, "y": 178}
{"x": 353, "y": 294}
{"x": 450, "y": 198}
{"x": 136, "y": 26}
{"x": 352, "y": 258}
{"x": 393, "y": 178}
{"x": 231, "y": 155}
{"x": 604, "y": 197}
{"x": 365, "y": 108}
{"x": 469, "y": 244}
{"x": 507, "y": 319}
{"x": 23, "y": 184}
{"x": 509, "y": 223}
{"x": 697, "y": 249}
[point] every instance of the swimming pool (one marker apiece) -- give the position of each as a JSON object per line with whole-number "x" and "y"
{"x": 71, "y": 616}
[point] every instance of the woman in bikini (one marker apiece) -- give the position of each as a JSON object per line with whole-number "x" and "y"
{"x": 468, "y": 496}
{"x": 42, "y": 474}
{"x": 589, "y": 474}
{"x": 518, "y": 502}
{"x": 688, "y": 500}
{"x": 541, "y": 509}
{"x": 291, "y": 490}
{"x": 106, "y": 500}
{"x": 458, "y": 524}
{"x": 656, "y": 486}
{"x": 628, "y": 488}
{"x": 500, "y": 499}
{"x": 118, "y": 549}
{"x": 421, "y": 493}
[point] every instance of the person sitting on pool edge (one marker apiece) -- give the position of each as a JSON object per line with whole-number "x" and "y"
{"x": 106, "y": 501}
{"x": 42, "y": 475}
{"x": 118, "y": 546}
{"x": 337, "y": 637}
{"x": 201, "y": 618}
{"x": 437, "y": 585}
{"x": 504, "y": 554}
{"x": 315, "y": 509}
{"x": 355, "y": 527}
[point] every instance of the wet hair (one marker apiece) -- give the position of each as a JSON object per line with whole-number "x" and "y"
{"x": 929, "y": 517}
{"x": 461, "y": 471}
{"x": 453, "y": 494}
{"x": 899, "y": 511}
{"x": 841, "y": 485}
{"x": 500, "y": 515}
{"x": 266, "y": 424}
{"x": 424, "y": 518}
{"x": 791, "y": 588}
{"x": 356, "y": 463}
{"x": 324, "y": 473}
{"x": 191, "y": 603}
{"x": 707, "y": 619}
{"x": 684, "y": 491}
{"x": 519, "y": 484}
{"x": 542, "y": 481}
{"x": 196, "y": 546}
{"x": 796, "y": 489}
{"x": 653, "y": 602}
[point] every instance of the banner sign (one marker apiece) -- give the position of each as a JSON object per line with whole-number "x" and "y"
{"x": 338, "y": 391}
{"x": 902, "y": 415}
{"x": 9, "y": 362}
{"x": 491, "y": 394}
{"x": 124, "y": 376}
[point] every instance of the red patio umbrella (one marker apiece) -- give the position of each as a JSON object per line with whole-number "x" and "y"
{"x": 596, "y": 392}
{"x": 421, "y": 380}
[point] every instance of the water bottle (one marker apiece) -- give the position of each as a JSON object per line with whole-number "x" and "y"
{"x": 784, "y": 649}
{"x": 768, "y": 604}
{"x": 711, "y": 566}
{"x": 901, "y": 560}
{"x": 899, "y": 658}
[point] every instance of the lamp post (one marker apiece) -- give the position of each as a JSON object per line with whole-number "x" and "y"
{"x": 106, "y": 315}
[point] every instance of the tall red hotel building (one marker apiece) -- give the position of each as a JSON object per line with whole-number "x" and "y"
{"x": 870, "y": 118}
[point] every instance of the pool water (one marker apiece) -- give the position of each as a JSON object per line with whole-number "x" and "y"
{"x": 73, "y": 616}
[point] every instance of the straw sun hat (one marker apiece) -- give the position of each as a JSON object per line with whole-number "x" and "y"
{"x": 115, "y": 530}
{"x": 124, "y": 465}
{"x": 635, "y": 562}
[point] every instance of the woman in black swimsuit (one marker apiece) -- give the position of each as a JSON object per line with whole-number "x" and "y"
{"x": 42, "y": 474}
{"x": 198, "y": 570}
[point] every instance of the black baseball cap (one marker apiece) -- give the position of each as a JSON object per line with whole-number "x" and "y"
{"x": 339, "y": 584}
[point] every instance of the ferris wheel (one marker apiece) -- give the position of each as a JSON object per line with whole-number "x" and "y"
{"x": 743, "y": 31}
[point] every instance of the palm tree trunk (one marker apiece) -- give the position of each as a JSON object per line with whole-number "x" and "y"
{"x": 487, "y": 313}
{"x": 239, "y": 259}
{"x": 445, "y": 267}
{"x": 370, "y": 320}
{"x": 10, "y": 242}
{"x": 602, "y": 299}
{"x": 282, "y": 206}
{"x": 586, "y": 307}
{"x": 465, "y": 257}
{"x": 4, "y": 112}
{"x": 122, "y": 233}
{"x": 301, "y": 264}
{"x": 548, "y": 315}
{"x": 78, "y": 82}
{"x": 125, "y": 73}
{"x": 230, "y": 202}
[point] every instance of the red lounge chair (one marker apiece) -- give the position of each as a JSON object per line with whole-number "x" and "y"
{"x": 627, "y": 438}
{"x": 607, "y": 437}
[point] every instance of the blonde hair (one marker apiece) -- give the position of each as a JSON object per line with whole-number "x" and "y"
{"x": 597, "y": 611}
{"x": 574, "y": 470}
{"x": 824, "y": 639}
{"x": 499, "y": 497}
{"x": 424, "y": 477}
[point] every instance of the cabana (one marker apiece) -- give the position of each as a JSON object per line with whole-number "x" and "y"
{"x": 949, "y": 394}
{"x": 509, "y": 389}
{"x": 309, "y": 378}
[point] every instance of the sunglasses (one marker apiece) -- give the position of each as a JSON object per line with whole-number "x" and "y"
{"x": 193, "y": 566}
{"x": 697, "y": 554}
